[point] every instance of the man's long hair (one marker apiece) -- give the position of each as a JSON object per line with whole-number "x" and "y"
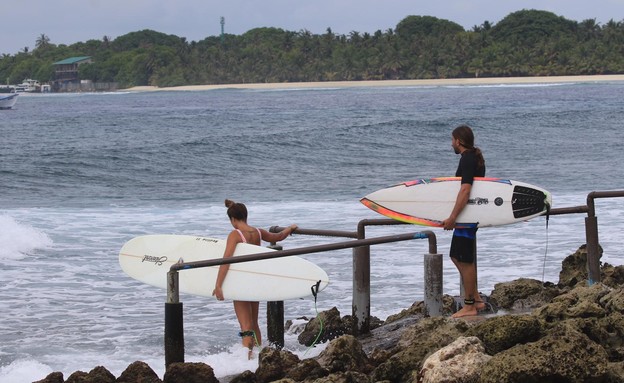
{"x": 464, "y": 134}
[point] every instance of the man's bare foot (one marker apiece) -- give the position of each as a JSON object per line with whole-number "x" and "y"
{"x": 466, "y": 311}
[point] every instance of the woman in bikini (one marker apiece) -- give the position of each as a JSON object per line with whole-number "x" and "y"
{"x": 246, "y": 312}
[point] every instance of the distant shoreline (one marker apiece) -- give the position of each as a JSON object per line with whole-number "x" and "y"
{"x": 390, "y": 83}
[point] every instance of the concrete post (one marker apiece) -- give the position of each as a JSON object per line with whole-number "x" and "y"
{"x": 433, "y": 285}
{"x": 361, "y": 290}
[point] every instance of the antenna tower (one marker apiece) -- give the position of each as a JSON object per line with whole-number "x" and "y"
{"x": 222, "y": 29}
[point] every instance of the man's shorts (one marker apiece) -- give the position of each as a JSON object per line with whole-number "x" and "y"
{"x": 463, "y": 245}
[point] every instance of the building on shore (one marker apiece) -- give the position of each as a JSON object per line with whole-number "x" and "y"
{"x": 67, "y": 77}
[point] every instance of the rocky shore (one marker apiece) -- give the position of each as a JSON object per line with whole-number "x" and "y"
{"x": 543, "y": 332}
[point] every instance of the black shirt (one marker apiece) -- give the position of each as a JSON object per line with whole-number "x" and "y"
{"x": 468, "y": 168}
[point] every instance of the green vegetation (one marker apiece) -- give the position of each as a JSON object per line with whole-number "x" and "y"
{"x": 525, "y": 43}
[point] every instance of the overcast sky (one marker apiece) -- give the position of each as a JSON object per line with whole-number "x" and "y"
{"x": 71, "y": 21}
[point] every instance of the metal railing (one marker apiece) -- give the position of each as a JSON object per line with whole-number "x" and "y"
{"x": 174, "y": 334}
{"x": 174, "y": 328}
{"x": 591, "y": 230}
{"x": 591, "y": 234}
{"x": 361, "y": 273}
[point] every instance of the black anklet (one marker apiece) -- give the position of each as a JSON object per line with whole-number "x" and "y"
{"x": 469, "y": 301}
{"x": 243, "y": 334}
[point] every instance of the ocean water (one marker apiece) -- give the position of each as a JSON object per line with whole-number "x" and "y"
{"x": 81, "y": 174}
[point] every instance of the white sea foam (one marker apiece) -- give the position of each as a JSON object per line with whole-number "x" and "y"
{"x": 17, "y": 240}
{"x": 23, "y": 371}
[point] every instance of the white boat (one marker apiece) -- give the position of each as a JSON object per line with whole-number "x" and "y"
{"x": 8, "y": 100}
{"x": 28, "y": 85}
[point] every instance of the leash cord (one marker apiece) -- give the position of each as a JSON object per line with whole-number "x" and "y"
{"x": 315, "y": 289}
{"x": 546, "y": 250}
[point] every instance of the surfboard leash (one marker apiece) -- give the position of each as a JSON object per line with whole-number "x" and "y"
{"x": 315, "y": 290}
{"x": 546, "y": 250}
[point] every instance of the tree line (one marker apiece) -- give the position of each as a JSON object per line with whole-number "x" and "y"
{"x": 524, "y": 43}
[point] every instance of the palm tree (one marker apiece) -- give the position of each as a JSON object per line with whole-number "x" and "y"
{"x": 42, "y": 41}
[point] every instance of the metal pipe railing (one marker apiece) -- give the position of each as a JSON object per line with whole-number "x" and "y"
{"x": 298, "y": 251}
{"x": 174, "y": 334}
{"x": 360, "y": 306}
{"x": 591, "y": 234}
{"x": 361, "y": 277}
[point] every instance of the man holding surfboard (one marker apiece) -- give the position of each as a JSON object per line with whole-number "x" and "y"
{"x": 463, "y": 244}
{"x": 246, "y": 312}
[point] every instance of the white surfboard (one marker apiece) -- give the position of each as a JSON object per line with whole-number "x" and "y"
{"x": 148, "y": 258}
{"x": 492, "y": 202}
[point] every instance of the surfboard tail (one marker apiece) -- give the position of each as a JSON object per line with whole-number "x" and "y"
{"x": 527, "y": 202}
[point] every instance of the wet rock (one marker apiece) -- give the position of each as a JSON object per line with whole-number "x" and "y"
{"x": 416, "y": 342}
{"x": 523, "y": 294}
{"x": 54, "y": 377}
{"x": 273, "y": 364}
{"x": 612, "y": 276}
{"x": 574, "y": 268}
{"x": 345, "y": 377}
{"x": 138, "y": 372}
{"x": 417, "y": 309}
{"x": 78, "y": 377}
{"x": 616, "y": 372}
{"x": 503, "y": 332}
{"x": 613, "y": 301}
{"x": 459, "y": 362}
{"x": 581, "y": 302}
{"x": 326, "y": 326}
{"x": 245, "y": 377}
{"x": 189, "y": 373}
{"x": 564, "y": 355}
{"x": 344, "y": 354}
{"x": 309, "y": 369}
{"x": 101, "y": 375}
{"x": 97, "y": 375}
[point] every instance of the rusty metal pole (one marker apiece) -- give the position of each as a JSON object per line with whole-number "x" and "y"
{"x": 275, "y": 324}
{"x": 591, "y": 238}
{"x": 591, "y": 234}
{"x": 174, "y": 326}
{"x": 360, "y": 306}
{"x": 593, "y": 250}
{"x": 275, "y": 316}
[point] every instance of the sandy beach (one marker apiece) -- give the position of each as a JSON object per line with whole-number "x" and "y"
{"x": 392, "y": 83}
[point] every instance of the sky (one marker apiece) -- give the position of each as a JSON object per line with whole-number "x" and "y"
{"x": 71, "y": 21}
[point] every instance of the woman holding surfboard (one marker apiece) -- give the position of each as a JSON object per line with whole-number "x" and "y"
{"x": 246, "y": 312}
{"x": 463, "y": 244}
